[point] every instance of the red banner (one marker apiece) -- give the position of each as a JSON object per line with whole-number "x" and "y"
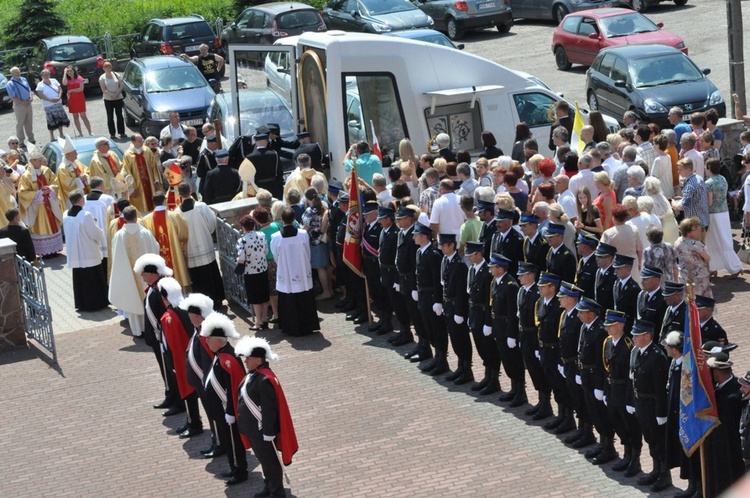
{"x": 353, "y": 237}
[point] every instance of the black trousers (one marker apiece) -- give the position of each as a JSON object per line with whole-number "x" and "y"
{"x": 415, "y": 316}
{"x": 597, "y": 412}
{"x": 372, "y": 273}
{"x": 653, "y": 433}
{"x": 529, "y": 347}
{"x": 626, "y": 426}
{"x": 510, "y": 358}
{"x": 114, "y": 107}
{"x": 193, "y": 413}
{"x": 486, "y": 345}
{"x": 269, "y": 463}
{"x": 172, "y": 391}
{"x": 575, "y": 393}
{"x": 550, "y": 360}
{"x": 459, "y": 334}
{"x": 211, "y": 423}
{"x": 435, "y": 327}
{"x": 229, "y": 439}
{"x": 396, "y": 305}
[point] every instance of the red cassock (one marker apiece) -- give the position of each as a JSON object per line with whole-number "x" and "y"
{"x": 286, "y": 440}
{"x": 177, "y": 340}
{"x": 231, "y": 365}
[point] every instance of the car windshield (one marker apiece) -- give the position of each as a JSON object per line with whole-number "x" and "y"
{"x": 378, "y": 7}
{"x": 663, "y": 70}
{"x": 173, "y": 79}
{"x": 72, "y": 52}
{"x": 193, "y": 30}
{"x": 298, "y": 19}
{"x": 626, "y": 24}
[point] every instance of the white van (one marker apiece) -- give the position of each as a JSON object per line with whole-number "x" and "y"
{"x": 406, "y": 88}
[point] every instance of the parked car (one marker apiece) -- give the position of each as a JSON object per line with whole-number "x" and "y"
{"x": 374, "y": 16}
{"x": 85, "y": 146}
{"x": 555, "y": 10}
{"x": 177, "y": 35}
{"x": 4, "y": 99}
{"x": 428, "y": 36}
{"x": 59, "y": 52}
{"x": 155, "y": 86}
{"x": 649, "y": 79}
{"x": 266, "y": 23}
{"x": 643, "y": 5}
{"x": 582, "y": 35}
{"x": 457, "y": 17}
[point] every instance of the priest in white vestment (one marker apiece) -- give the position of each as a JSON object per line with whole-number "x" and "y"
{"x": 97, "y": 203}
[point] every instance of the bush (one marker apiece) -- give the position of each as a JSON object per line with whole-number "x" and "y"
{"x": 32, "y": 21}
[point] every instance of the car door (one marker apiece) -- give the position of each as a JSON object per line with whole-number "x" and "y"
{"x": 525, "y": 8}
{"x": 586, "y": 49}
{"x": 620, "y": 97}
{"x": 132, "y": 78}
{"x": 435, "y": 9}
{"x": 240, "y": 26}
{"x": 534, "y": 108}
{"x": 333, "y": 14}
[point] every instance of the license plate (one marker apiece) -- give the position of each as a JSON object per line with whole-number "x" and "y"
{"x": 192, "y": 48}
{"x": 193, "y": 122}
{"x": 485, "y": 6}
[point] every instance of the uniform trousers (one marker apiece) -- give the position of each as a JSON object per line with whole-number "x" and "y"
{"x": 597, "y": 410}
{"x": 510, "y": 358}
{"x": 434, "y": 325}
{"x": 415, "y": 316}
{"x": 486, "y": 346}
{"x": 550, "y": 358}
{"x": 653, "y": 433}
{"x": 395, "y": 304}
{"x": 529, "y": 347}
{"x": 626, "y": 426}
{"x": 266, "y": 454}
{"x": 459, "y": 335}
{"x": 229, "y": 438}
{"x": 193, "y": 412}
{"x": 575, "y": 393}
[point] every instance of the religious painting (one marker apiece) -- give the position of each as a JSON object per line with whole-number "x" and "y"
{"x": 312, "y": 80}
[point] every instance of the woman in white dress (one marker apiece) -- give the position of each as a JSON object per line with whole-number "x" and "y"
{"x": 719, "y": 235}
{"x": 662, "y": 209}
{"x": 662, "y": 166}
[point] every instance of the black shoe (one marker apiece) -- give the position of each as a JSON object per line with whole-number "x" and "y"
{"x": 422, "y": 356}
{"x": 385, "y": 329}
{"x": 164, "y": 404}
{"x": 544, "y": 411}
{"x": 567, "y": 425}
{"x": 441, "y": 367}
{"x": 262, "y": 493}
{"x": 402, "y": 340}
{"x": 236, "y": 479}
{"x": 394, "y": 337}
{"x": 227, "y": 473}
{"x": 689, "y": 492}
{"x": 190, "y": 433}
{"x": 427, "y": 367}
{"x": 375, "y": 327}
{"x": 342, "y": 304}
{"x": 217, "y": 452}
{"x": 533, "y": 410}
{"x": 586, "y": 440}
{"x": 649, "y": 479}
{"x": 505, "y": 397}
{"x": 360, "y": 319}
{"x": 122, "y": 135}
{"x": 451, "y": 377}
{"x": 175, "y": 410}
{"x": 352, "y": 316}
{"x": 607, "y": 454}
{"x": 635, "y": 468}
{"x": 622, "y": 465}
{"x": 520, "y": 398}
{"x": 182, "y": 429}
{"x": 482, "y": 383}
{"x": 554, "y": 423}
{"x": 573, "y": 437}
{"x": 663, "y": 482}
{"x": 412, "y": 353}
{"x": 208, "y": 450}
{"x": 593, "y": 452}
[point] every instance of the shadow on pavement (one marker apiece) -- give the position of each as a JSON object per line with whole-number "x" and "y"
{"x": 29, "y": 352}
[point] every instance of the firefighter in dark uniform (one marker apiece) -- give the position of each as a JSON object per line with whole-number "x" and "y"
{"x": 625, "y": 290}
{"x": 586, "y": 270}
{"x": 651, "y": 305}
{"x": 569, "y": 336}
{"x": 429, "y": 297}
{"x": 592, "y": 378}
{"x": 275, "y": 142}
{"x": 506, "y": 240}
{"x": 674, "y": 315}
{"x": 745, "y": 418}
{"x": 560, "y": 259}
{"x": 528, "y": 338}
{"x": 504, "y": 308}
{"x": 312, "y": 149}
{"x": 268, "y": 171}
{"x": 535, "y": 246}
{"x": 454, "y": 275}
{"x": 604, "y": 280}
{"x": 406, "y": 264}
{"x": 389, "y": 279}
{"x": 335, "y": 215}
{"x": 548, "y": 314}
{"x": 486, "y": 213}
{"x": 343, "y": 273}
{"x": 616, "y": 357}
{"x": 370, "y": 265}
{"x": 710, "y": 328}
{"x": 649, "y": 370}
{"x": 480, "y": 314}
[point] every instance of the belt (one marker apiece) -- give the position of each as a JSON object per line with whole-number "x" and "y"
{"x": 528, "y": 329}
{"x": 643, "y": 396}
{"x": 424, "y": 289}
{"x": 587, "y": 367}
{"x": 448, "y": 300}
{"x": 617, "y": 381}
{"x": 570, "y": 359}
{"x": 553, "y": 345}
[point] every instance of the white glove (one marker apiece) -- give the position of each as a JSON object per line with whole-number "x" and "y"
{"x": 437, "y": 308}
{"x": 578, "y": 380}
{"x": 661, "y": 420}
{"x": 511, "y": 343}
{"x": 458, "y": 319}
{"x": 487, "y": 330}
{"x": 630, "y": 410}
{"x": 538, "y": 355}
{"x": 561, "y": 369}
{"x": 397, "y": 287}
{"x": 599, "y": 394}
{"x": 415, "y": 295}
{"x": 229, "y": 418}
{"x": 268, "y": 438}
{"x": 604, "y": 400}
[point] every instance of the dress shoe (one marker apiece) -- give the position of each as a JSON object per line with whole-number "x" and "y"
{"x": 608, "y": 452}
{"x": 482, "y": 383}
{"x": 441, "y": 366}
{"x": 360, "y": 319}
{"x": 649, "y": 479}
{"x": 567, "y": 425}
{"x": 427, "y": 367}
{"x": 215, "y": 453}
{"x": 586, "y": 440}
{"x": 182, "y": 429}
{"x": 394, "y": 337}
{"x": 236, "y": 479}
{"x": 174, "y": 410}
{"x": 422, "y": 356}
{"x": 533, "y": 410}
{"x": 342, "y": 304}
{"x": 573, "y": 437}
{"x": 164, "y": 404}
{"x": 593, "y": 452}
{"x": 227, "y": 473}
{"x": 505, "y": 397}
{"x": 262, "y": 493}
{"x": 385, "y": 329}
{"x": 208, "y": 450}
{"x": 553, "y": 424}
{"x": 374, "y": 327}
{"x": 622, "y": 464}
{"x": 349, "y": 308}
{"x": 403, "y": 340}
{"x": 689, "y": 492}
{"x": 352, "y": 316}
{"x": 520, "y": 399}
{"x": 413, "y": 352}
{"x": 190, "y": 433}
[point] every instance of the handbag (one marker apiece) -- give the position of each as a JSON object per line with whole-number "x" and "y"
{"x": 239, "y": 269}
{"x": 744, "y": 252}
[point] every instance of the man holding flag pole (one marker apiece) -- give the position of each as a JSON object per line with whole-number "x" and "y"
{"x": 352, "y": 254}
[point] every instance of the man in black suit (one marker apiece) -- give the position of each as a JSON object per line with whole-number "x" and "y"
{"x": 454, "y": 275}
{"x": 504, "y": 308}
{"x": 562, "y": 118}
{"x": 486, "y": 213}
{"x": 528, "y": 295}
{"x": 710, "y": 328}
{"x": 206, "y": 161}
{"x": 535, "y": 247}
{"x": 223, "y": 182}
{"x": 649, "y": 369}
{"x": 312, "y": 149}
{"x": 480, "y": 314}
{"x": 548, "y": 313}
{"x": 429, "y": 297}
{"x": 674, "y": 315}
{"x": 569, "y": 336}
{"x": 275, "y": 142}
{"x": 560, "y": 259}
{"x": 651, "y": 305}
{"x": 371, "y": 267}
{"x": 268, "y": 171}
{"x": 389, "y": 279}
{"x": 625, "y": 290}
{"x": 605, "y": 276}
{"x": 507, "y": 241}
{"x": 586, "y": 270}
{"x": 406, "y": 264}
{"x": 19, "y": 234}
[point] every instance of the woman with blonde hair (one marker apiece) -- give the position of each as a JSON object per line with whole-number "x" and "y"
{"x": 406, "y": 151}
{"x": 557, "y": 215}
{"x": 588, "y": 214}
{"x": 615, "y": 140}
{"x": 606, "y": 199}
{"x": 662, "y": 209}
{"x": 484, "y": 176}
{"x": 441, "y": 165}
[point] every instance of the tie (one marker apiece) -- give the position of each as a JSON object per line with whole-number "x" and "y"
{"x": 598, "y": 279}
{"x": 472, "y": 274}
{"x": 443, "y": 266}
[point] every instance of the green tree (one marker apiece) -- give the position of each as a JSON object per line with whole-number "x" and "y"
{"x": 35, "y": 20}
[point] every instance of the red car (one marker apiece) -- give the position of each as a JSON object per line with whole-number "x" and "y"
{"x": 581, "y": 35}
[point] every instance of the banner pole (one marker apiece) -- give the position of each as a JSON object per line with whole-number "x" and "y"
{"x": 703, "y": 470}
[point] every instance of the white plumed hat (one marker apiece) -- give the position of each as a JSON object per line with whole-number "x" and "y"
{"x": 171, "y": 289}
{"x": 198, "y": 303}
{"x": 152, "y": 263}
{"x": 219, "y": 325}
{"x": 255, "y": 346}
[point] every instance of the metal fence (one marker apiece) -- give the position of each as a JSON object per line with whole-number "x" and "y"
{"x": 234, "y": 285}
{"x": 14, "y": 57}
{"x": 37, "y": 312}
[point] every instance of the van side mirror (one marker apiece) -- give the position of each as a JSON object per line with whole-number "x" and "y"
{"x": 620, "y": 84}
{"x": 353, "y": 123}
{"x": 283, "y": 70}
{"x": 706, "y": 71}
{"x": 594, "y": 36}
{"x": 460, "y": 46}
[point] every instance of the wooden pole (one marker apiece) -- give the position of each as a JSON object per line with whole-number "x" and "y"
{"x": 703, "y": 470}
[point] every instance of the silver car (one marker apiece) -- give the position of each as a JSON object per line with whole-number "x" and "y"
{"x": 555, "y": 9}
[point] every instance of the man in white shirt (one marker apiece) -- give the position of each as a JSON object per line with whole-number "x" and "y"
{"x": 176, "y": 130}
{"x": 687, "y": 149}
{"x": 584, "y": 177}
{"x": 446, "y": 215}
{"x": 645, "y": 149}
{"x": 384, "y": 193}
{"x": 565, "y": 197}
{"x": 609, "y": 163}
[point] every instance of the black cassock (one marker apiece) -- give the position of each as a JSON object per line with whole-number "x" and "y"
{"x": 723, "y": 450}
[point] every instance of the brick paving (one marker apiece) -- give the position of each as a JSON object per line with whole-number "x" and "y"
{"x": 369, "y": 424}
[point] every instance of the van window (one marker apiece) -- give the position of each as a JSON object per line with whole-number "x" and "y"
{"x": 462, "y": 123}
{"x": 379, "y": 103}
{"x": 534, "y": 108}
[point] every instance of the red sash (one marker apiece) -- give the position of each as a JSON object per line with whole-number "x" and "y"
{"x": 120, "y": 223}
{"x": 162, "y": 236}
{"x": 231, "y": 364}
{"x": 146, "y": 186}
{"x": 41, "y": 180}
{"x": 177, "y": 339}
{"x": 286, "y": 440}
{"x": 112, "y": 165}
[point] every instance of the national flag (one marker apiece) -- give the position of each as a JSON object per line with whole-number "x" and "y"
{"x": 575, "y": 142}
{"x": 698, "y": 413}
{"x": 375, "y": 145}
{"x": 353, "y": 237}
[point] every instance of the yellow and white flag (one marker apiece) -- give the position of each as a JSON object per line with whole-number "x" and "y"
{"x": 578, "y": 123}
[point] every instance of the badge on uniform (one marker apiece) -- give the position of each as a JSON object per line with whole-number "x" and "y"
{"x": 228, "y": 363}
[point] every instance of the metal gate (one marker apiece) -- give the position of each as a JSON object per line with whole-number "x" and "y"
{"x": 234, "y": 285}
{"x": 36, "y": 311}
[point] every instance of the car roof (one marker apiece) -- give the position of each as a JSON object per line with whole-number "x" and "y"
{"x": 82, "y": 144}
{"x": 642, "y": 51}
{"x": 174, "y": 21}
{"x": 64, "y": 40}
{"x": 161, "y": 61}
{"x": 598, "y": 13}
{"x": 276, "y": 7}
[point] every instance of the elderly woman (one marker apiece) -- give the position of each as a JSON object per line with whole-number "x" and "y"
{"x": 624, "y": 237}
{"x": 693, "y": 256}
{"x": 662, "y": 166}
{"x": 543, "y": 169}
{"x": 265, "y": 226}
{"x": 252, "y": 249}
{"x": 484, "y": 176}
{"x": 557, "y": 215}
{"x": 662, "y": 209}
{"x": 314, "y": 221}
{"x": 660, "y": 254}
{"x": 641, "y": 217}
{"x": 708, "y": 149}
{"x": 50, "y": 91}
{"x": 636, "y": 177}
{"x": 606, "y": 199}
{"x": 719, "y": 235}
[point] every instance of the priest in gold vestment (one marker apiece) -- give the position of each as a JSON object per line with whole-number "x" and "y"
{"x": 40, "y": 206}
{"x": 142, "y": 175}
{"x": 171, "y": 232}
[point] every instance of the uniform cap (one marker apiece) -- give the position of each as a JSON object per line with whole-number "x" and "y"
{"x": 211, "y": 137}
{"x": 570, "y": 290}
{"x": 499, "y": 260}
{"x": 198, "y": 304}
{"x": 555, "y": 229}
{"x": 587, "y": 238}
{"x": 335, "y": 185}
{"x": 719, "y": 361}
{"x": 221, "y": 153}
{"x": 622, "y": 260}
{"x": 386, "y": 212}
{"x": 704, "y": 302}
{"x": 260, "y": 136}
{"x": 651, "y": 271}
{"x": 256, "y": 347}
{"x": 445, "y": 238}
{"x": 603, "y": 250}
{"x": 274, "y": 128}
{"x": 219, "y": 325}
{"x": 641, "y": 327}
{"x": 171, "y": 290}
{"x": 527, "y": 218}
{"x": 344, "y": 197}
{"x": 486, "y": 206}
{"x": 474, "y": 247}
{"x": 424, "y": 230}
{"x": 405, "y": 212}
{"x": 588, "y": 304}
{"x": 745, "y": 381}
{"x": 304, "y": 134}
{"x": 524, "y": 268}
{"x": 547, "y": 278}
{"x": 370, "y": 206}
{"x": 613, "y": 316}
{"x": 672, "y": 288}
{"x": 151, "y": 263}
{"x": 503, "y": 214}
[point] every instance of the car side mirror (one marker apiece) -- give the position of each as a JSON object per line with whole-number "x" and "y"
{"x": 233, "y": 26}
{"x": 135, "y": 92}
{"x": 706, "y": 71}
{"x": 283, "y": 70}
{"x": 137, "y": 38}
{"x": 354, "y": 124}
{"x": 594, "y": 36}
{"x": 354, "y": 14}
{"x": 621, "y": 84}
{"x": 460, "y": 46}
{"x": 660, "y": 24}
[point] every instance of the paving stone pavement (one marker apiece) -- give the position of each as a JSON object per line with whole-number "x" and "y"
{"x": 368, "y": 423}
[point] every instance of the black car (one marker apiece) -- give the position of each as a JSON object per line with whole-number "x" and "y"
{"x": 266, "y": 23}
{"x": 4, "y": 99}
{"x": 455, "y": 18}
{"x": 374, "y": 16}
{"x": 649, "y": 79}
{"x": 178, "y": 35}
{"x": 155, "y": 86}
{"x": 59, "y": 52}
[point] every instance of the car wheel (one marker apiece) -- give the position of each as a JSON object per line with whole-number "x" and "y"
{"x": 143, "y": 128}
{"x": 558, "y": 13}
{"x": 593, "y": 102}
{"x": 454, "y": 33}
{"x": 680, "y": 3}
{"x": 561, "y": 58}
{"x": 639, "y": 5}
{"x": 503, "y": 28}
